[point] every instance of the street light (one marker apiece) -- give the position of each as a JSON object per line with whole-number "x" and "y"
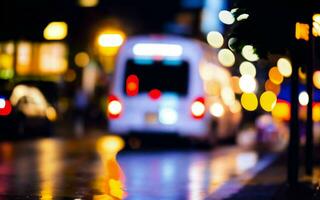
{"x": 55, "y": 31}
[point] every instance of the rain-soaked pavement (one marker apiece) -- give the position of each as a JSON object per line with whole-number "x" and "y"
{"x": 87, "y": 169}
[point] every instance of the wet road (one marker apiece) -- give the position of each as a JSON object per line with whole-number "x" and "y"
{"x": 87, "y": 169}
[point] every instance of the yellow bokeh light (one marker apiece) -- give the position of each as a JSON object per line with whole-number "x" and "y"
{"x": 111, "y": 39}
{"x": 110, "y": 144}
{"x": 247, "y": 84}
{"x": 285, "y": 67}
{"x": 316, "y": 112}
{"x": 268, "y": 101}
{"x": 6, "y": 61}
{"x": 88, "y": 3}
{"x": 226, "y": 57}
{"x": 281, "y": 111}
{"x": 303, "y": 98}
{"x": 302, "y": 75}
{"x": 55, "y": 31}
{"x": 248, "y": 53}
{"x": 215, "y": 39}
{"x": 82, "y": 59}
{"x": 275, "y": 75}
{"x": 249, "y": 101}
{"x": 226, "y": 17}
{"x": 270, "y": 86}
{"x": 51, "y": 114}
{"x": 247, "y": 68}
{"x": 316, "y": 79}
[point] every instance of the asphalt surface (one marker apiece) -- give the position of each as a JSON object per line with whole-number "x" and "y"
{"x": 88, "y": 168}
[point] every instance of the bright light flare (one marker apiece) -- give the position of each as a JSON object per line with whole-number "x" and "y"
{"x": 217, "y": 110}
{"x": 303, "y": 98}
{"x": 215, "y": 39}
{"x": 88, "y": 3}
{"x": 110, "y": 144}
{"x": 198, "y": 108}
{"x": 226, "y": 57}
{"x": 247, "y": 84}
{"x": 55, "y": 31}
{"x": 247, "y": 68}
{"x": 157, "y": 49}
{"x": 114, "y": 107}
{"x": 82, "y": 59}
{"x": 249, "y": 53}
{"x": 243, "y": 16}
{"x": 285, "y": 67}
{"x": 226, "y": 17}
{"x": 168, "y": 116}
{"x": 110, "y": 39}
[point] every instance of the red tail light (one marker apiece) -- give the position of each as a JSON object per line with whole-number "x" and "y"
{"x": 198, "y": 108}
{"x": 154, "y": 94}
{"x": 132, "y": 85}
{"x": 5, "y": 107}
{"x": 114, "y": 107}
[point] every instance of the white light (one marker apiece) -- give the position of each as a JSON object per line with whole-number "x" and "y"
{"x": 114, "y": 107}
{"x": 247, "y": 84}
{"x": 303, "y": 98}
{"x": 168, "y": 116}
{"x": 156, "y": 49}
{"x": 197, "y": 108}
{"x": 216, "y": 110}
{"x": 242, "y": 17}
{"x": 110, "y": 40}
{"x": 226, "y": 57}
{"x": 226, "y": 17}
{"x": 227, "y": 95}
{"x": 2, "y": 103}
{"x": 215, "y": 39}
{"x": 249, "y": 54}
{"x": 247, "y": 68}
{"x": 284, "y": 67}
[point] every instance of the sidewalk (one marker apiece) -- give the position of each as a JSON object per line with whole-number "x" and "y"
{"x": 270, "y": 183}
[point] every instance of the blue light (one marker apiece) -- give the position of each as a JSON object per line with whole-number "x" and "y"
{"x": 171, "y": 62}
{"x": 210, "y": 20}
{"x": 143, "y": 61}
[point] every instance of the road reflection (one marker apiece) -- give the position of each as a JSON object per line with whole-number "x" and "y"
{"x": 92, "y": 168}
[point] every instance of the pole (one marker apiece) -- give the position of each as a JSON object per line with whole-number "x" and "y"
{"x": 309, "y": 123}
{"x": 293, "y": 148}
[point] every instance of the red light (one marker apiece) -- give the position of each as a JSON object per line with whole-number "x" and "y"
{"x": 154, "y": 94}
{"x": 114, "y": 107}
{"x": 132, "y": 85}
{"x": 198, "y": 108}
{"x": 6, "y": 110}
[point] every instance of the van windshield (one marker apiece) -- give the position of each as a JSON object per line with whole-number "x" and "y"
{"x": 165, "y": 75}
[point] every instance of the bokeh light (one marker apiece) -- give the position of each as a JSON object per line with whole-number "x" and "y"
{"x": 235, "y": 107}
{"x": 55, "y": 31}
{"x": 2, "y": 102}
{"x": 231, "y": 42}
{"x": 270, "y": 86}
{"x": 243, "y": 16}
{"x": 302, "y": 75}
{"x": 226, "y": 17}
{"x": 217, "y": 110}
{"x": 303, "y": 98}
{"x": 226, "y": 57}
{"x": 249, "y": 101}
{"x": 281, "y": 110}
{"x": 215, "y": 39}
{"x": 249, "y": 53}
{"x": 88, "y": 3}
{"x": 316, "y": 112}
{"x": 227, "y": 95}
{"x": 285, "y": 67}
{"x": 316, "y": 79}
{"x": 110, "y": 145}
{"x": 268, "y": 101}
{"x": 235, "y": 84}
{"x": 247, "y": 84}
{"x": 82, "y": 59}
{"x": 275, "y": 76}
{"x": 247, "y": 68}
{"x": 110, "y": 39}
